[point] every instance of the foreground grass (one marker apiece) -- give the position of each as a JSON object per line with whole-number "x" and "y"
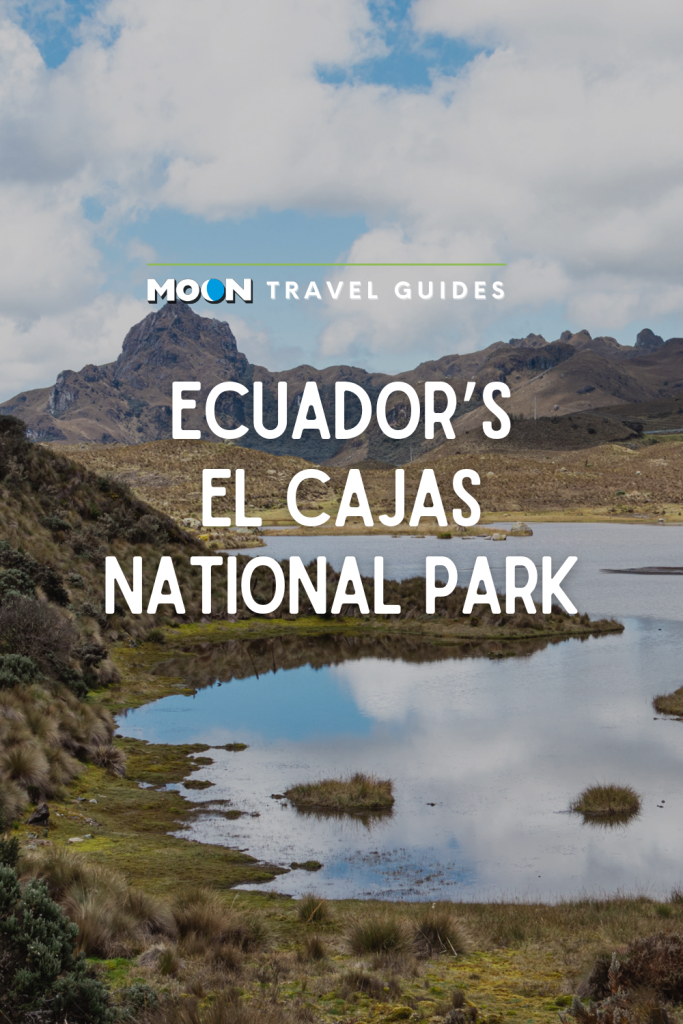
{"x": 358, "y": 792}
{"x": 345, "y": 960}
{"x": 320, "y": 960}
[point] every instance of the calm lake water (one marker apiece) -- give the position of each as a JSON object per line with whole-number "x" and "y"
{"x": 485, "y": 754}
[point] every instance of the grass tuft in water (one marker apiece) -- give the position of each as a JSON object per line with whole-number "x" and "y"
{"x": 358, "y": 792}
{"x": 669, "y": 703}
{"x": 603, "y": 801}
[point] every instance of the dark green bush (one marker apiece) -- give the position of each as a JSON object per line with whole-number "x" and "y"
{"x": 41, "y": 977}
{"x": 41, "y": 574}
{"x": 17, "y": 670}
{"x": 15, "y": 581}
{"x": 56, "y": 524}
{"x": 136, "y": 999}
{"x": 10, "y": 846}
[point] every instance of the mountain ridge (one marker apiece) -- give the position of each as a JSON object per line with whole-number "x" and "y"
{"x": 128, "y": 400}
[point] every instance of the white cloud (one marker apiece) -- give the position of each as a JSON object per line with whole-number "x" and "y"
{"x": 34, "y": 353}
{"x": 556, "y": 151}
{"x": 258, "y": 346}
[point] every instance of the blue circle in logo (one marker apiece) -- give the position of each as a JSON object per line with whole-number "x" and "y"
{"x": 215, "y": 290}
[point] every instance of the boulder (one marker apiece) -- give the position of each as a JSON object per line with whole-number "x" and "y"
{"x": 40, "y": 816}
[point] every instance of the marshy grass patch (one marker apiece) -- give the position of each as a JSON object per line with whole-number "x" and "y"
{"x": 313, "y": 909}
{"x": 202, "y": 914}
{"x": 669, "y": 703}
{"x": 607, "y": 803}
{"x": 436, "y": 930}
{"x": 379, "y": 933}
{"x": 314, "y": 948}
{"x": 357, "y": 792}
{"x": 307, "y": 865}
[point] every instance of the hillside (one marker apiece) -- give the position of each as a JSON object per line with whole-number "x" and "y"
{"x": 554, "y": 478}
{"x": 128, "y": 401}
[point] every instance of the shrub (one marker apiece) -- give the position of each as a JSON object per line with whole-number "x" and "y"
{"x": 10, "y": 846}
{"x": 312, "y": 909}
{"x": 156, "y": 635}
{"x": 135, "y": 999}
{"x": 42, "y": 979}
{"x": 36, "y": 630}
{"x": 147, "y": 530}
{"x": 17, "y": 670}
{"x": 655, "y": 963}
{"x": 437, "y": 931}
{"x": 41, "y": 574}
{"x": 14, "y": 582}
{"x": 379, "y": 934}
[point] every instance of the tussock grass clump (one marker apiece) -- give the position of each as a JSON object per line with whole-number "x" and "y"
{"x": 44, "y": 734}
{"x": 314, "y": 948}
{"x": 26, "y": 764}
{"x": 113, "y": 919}
{"x": 378, "y": 934}
{"x": 607, "y": 802}
{"x": 313, "y": 909}
{"x": 436, "y": 930}
{"x": 357, "y": 792}
{"x": 201, "y": 916}
{"x": 359, "y": 981}
{"x": 669, "y": 703}
{"x": 110, "y": 757}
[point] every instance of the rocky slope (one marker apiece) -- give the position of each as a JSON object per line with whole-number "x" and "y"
{"x": 128, "y": 401}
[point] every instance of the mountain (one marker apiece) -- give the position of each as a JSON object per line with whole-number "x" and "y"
{"x": 128, "y": 401}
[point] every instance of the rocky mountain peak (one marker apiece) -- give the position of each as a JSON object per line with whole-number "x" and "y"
{"x": 648, "y": 341}
{"x": 175, "y": 340}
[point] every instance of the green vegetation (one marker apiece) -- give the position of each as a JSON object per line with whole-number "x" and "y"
{"x": 357, "y": 792}
{"x": 618, "y": 803}
{"x": 307, "y": 865}
{"x": 159, "y": 917}
{"x": 42, "y": 979}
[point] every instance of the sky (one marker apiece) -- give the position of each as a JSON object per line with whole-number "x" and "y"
{"x": 539, "y": 136}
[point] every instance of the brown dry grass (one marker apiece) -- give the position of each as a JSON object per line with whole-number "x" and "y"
{"x": 669, "y": 703}
{"x": 357, "y": 792}
{"x": 649, "y": 475}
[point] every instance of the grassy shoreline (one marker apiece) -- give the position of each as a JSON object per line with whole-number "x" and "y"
{"x": 523, "y": 960}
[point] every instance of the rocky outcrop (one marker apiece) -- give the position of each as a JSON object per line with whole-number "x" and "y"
{"x": 129, "y": 400}
{"x": 648, "y": 341}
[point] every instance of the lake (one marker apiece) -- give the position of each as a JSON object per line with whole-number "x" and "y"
{"x": 485, "y": 754}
